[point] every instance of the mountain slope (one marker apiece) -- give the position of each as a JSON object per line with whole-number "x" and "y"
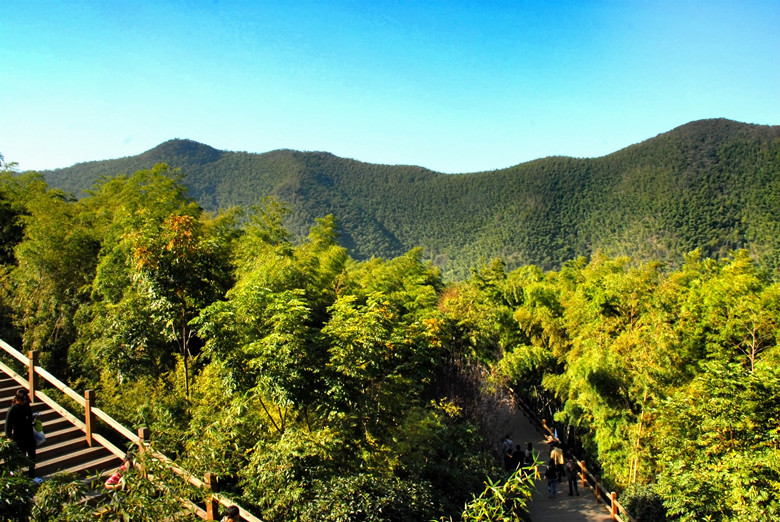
{"x": 710, "y": 184}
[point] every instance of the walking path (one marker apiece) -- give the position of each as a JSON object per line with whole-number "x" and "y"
{"x": 563, "y": 508}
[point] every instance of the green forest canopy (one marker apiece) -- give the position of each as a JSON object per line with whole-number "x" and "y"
{"x": 307, "y": 378}
{"x": 710, "y": 184}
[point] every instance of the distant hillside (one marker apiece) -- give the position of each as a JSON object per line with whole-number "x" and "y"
{"x": 710, "y": 184}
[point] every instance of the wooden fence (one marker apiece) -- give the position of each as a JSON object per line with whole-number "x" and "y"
{"x": 35, "y": 373}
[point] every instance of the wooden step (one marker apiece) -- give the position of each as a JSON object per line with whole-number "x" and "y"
{"x": 44, "y": 415}
{"x": 82, "y": 462}
{"x": 64, "y": 432}
{"x": 64, "y": 460}
{"x": 8, "y": 388}
{"x": 49, "y": 449}
{"x": 43, "y": 410}
{"x": 51, "y": 424}
{"x": 65, "y": 449}
{"x": 96, "y": 463}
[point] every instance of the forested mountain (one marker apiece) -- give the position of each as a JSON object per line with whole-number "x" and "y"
{"x": 710, "y": 184}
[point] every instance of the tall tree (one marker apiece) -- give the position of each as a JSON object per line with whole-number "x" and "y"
{"x": 162, "y": 260}
{"x": 55, "y": 265}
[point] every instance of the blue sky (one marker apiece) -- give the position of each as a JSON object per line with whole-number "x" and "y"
{"x": 454, "y": 86}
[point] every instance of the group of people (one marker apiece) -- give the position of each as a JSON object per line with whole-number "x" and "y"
{"x": 515, "y": 457}
{"x": 558, "y": 467}
{"x": 555, "y": 474}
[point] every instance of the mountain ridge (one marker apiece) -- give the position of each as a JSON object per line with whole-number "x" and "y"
{"x": 172, "y": 145}
{"x": 687, "y": 188}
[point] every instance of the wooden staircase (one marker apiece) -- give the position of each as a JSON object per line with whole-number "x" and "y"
{"x": 65, "y": 449}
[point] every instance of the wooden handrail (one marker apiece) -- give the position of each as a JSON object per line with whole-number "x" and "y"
{"x": 51, "y": 379}
{"x": 7, "y": 369}
{"x": 105, "y": 417}
{"x": 13, "y": 352}
{"x": 87, "y": 402}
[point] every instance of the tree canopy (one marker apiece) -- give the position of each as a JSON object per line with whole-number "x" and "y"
{"x": 710, "y": 185}
{"x": 319, "y": 386}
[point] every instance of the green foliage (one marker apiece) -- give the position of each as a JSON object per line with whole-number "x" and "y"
{"x": 54, "y": 264}
{"x": 282, "y": 471}
{"x": 157, "y": 402}
{"x": 151, "y": 491}
{"x": 436, "y": 445}
{"x": 319, "y": 386}
{"x": 710, "y": 184}
{"x": 160, "y": 262}
{"x": 629, "y": 350}
{"x": 370, "y": 498}
{"x": 21, "y": 499}
{"x": 61, "y": 498}
{"x": 728, "y": 467}
{"x": 16, "y": 497}
{"x": 643, "y": 503}
{"x": 503, "y": 500}
{"x": 16, "y": 489}
{"x": 13, "y": 460}
{"x": 479, "y": 315}
{"x": 304, "y": 367}
{"x": 12, "y": 208}
{"x": 528, "y": 364}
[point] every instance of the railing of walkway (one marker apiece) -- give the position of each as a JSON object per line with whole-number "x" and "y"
{"x": 603, "y": 496}
{"x": 32, "y": 381}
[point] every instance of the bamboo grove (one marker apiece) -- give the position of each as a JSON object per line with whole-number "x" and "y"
{"x": 319, "y": 387}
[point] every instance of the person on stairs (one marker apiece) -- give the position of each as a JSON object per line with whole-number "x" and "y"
{"x": 19, "y": 426}
{"x": 232, "y": 514}
{"x": 117, "y": 478}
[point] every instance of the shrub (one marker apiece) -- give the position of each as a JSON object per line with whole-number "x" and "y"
{"x": 643, "y": 503}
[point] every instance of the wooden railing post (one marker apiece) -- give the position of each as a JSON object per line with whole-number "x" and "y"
{"x": 212, "y": 504}
{"x": 584, "y": 474}
{"x": 143, "y": 438}
{"x": 613, "y": 508}
{"x": 32, "y": 377}
{"x": 89, "y": 400}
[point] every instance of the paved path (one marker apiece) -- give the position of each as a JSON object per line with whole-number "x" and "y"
{"x": 563, "y": 508}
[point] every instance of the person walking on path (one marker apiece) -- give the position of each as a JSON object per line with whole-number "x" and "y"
{"x": 530, "y": 457}
{"x": 556, "y": 454}
{"x": 552, "y": 479}
{"x": 518, "y": 458}
{"x": 19, "y": 426}
{"x": 572, "y": 473}
{"x": 507, "y": 457}
{"x": 507, "y": 444}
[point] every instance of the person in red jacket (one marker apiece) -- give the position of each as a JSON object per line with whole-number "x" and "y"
{"x": 19, "y": 426}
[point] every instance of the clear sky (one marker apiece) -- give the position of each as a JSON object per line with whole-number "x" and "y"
{"x": 455, "y": 86}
